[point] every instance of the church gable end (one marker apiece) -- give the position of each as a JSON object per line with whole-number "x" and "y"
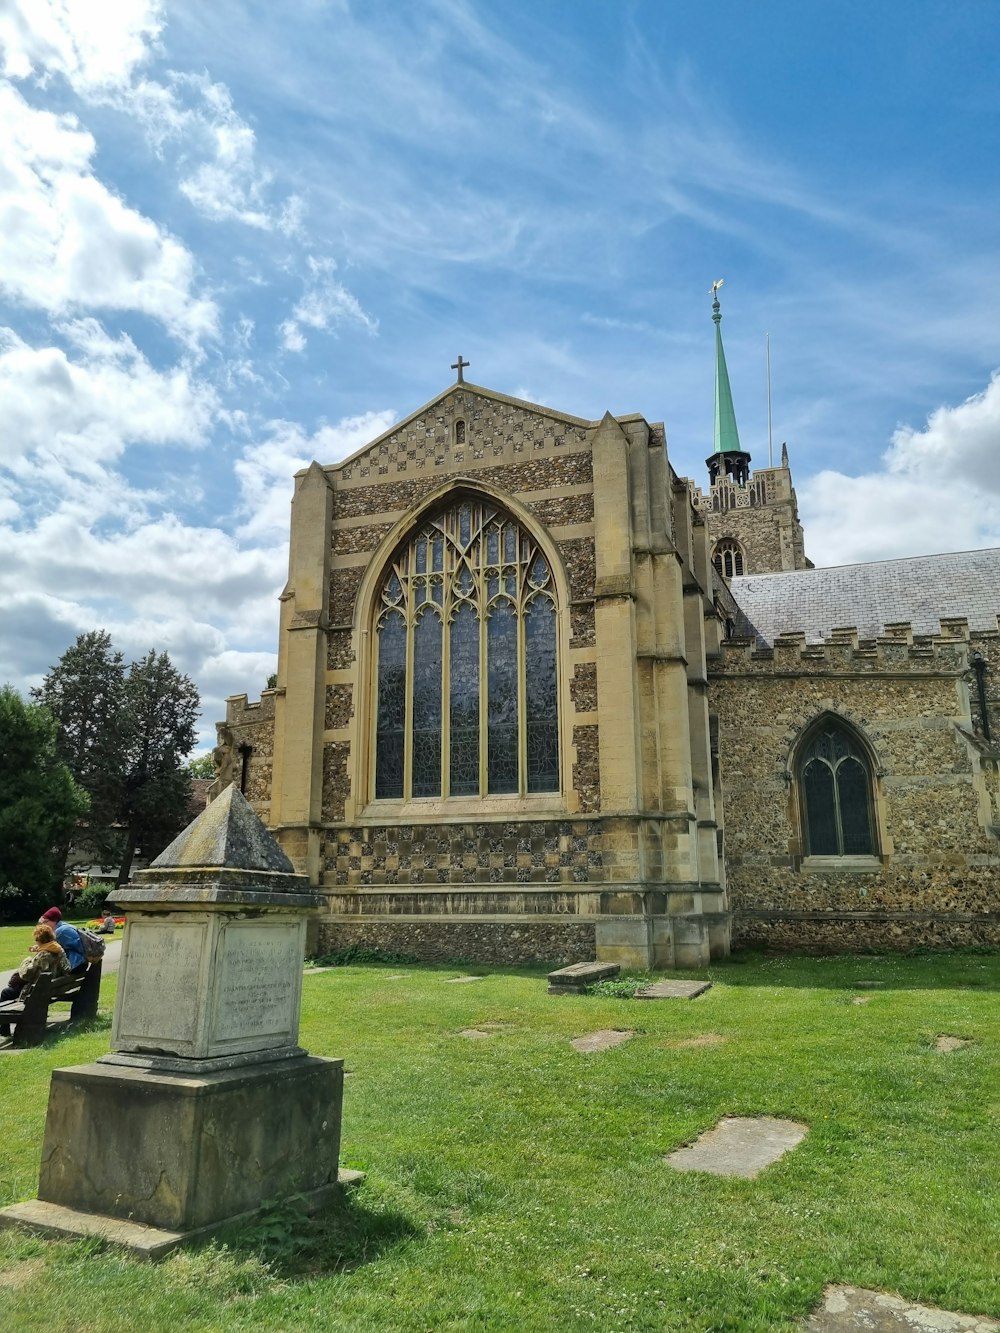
{"x": 597, "y": 831}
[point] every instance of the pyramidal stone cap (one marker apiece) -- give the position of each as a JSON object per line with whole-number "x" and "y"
{"x": 226, "y": 833}
{"x": 225, "y": 855}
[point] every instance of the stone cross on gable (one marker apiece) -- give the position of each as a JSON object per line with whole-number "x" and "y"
{"x": 460, "y": 365}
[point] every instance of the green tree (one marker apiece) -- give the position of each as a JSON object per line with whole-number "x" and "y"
{"x": 39, "y": 803}
{"x": 85, "y": 691}
{"x": 160, "y": 712}
{"x": 124, "y": 733}
{"x": 200, "y": 767}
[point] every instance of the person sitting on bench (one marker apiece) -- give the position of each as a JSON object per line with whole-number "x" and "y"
{"x": 68, "y": 937}
{"x": 46, "y": 958}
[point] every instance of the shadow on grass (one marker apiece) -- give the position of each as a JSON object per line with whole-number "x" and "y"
{"x": 925, "y": 969}
{"x": 344, "y": 1235}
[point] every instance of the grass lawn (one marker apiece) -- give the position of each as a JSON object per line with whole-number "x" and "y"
{"x": 513, "y": 1183}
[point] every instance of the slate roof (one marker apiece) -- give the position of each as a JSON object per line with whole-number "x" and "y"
{"x": 921, "y": 590}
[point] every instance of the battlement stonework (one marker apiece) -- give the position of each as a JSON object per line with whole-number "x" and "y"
{"x": 911, "y": 698}
{"x": 762, "y": 516}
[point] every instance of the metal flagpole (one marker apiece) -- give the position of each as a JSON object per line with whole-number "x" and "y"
{"x": 771, "y": 455}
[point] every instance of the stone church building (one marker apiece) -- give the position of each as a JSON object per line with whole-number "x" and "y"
{"x": 539, "y": 698}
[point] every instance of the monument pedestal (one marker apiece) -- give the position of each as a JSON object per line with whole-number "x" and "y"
{"x": 182, "y": 1153}
{"x": 206, "y": 1107}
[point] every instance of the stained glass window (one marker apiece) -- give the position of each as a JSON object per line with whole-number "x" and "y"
{"x": 465, "y": 661}
{"x": 836, "y": 786}
{"x": 391, "y": 705}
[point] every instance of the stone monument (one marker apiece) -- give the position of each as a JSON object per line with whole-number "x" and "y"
{"x": 206, "y": 1105}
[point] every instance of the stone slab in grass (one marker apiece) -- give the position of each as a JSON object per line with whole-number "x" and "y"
{"x": 673, "y": 990}
{"x": 574, "y": 979}
{"x": 845, "y": 1309}
{"x": 945, "y": 1043}
{"x": 739, "y": 1146}
{"x": 600, "y": 1041}
{"x": 454, "y": 981}
{"x": 474, "y": 1034}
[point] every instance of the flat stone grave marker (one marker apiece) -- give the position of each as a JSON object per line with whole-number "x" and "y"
{"x": 845, "y": 1309}
{"x": 600, "y": 1041}
{"x": 673, "y": 990}
{"x": 475, "y": 1034}
{"x": 454, "y": 981}
{"x": 862, "y": 999}
{"x": 945, "y": 1043}
{"x": 574, "y": 979}
{"x": 739, "y": 1146}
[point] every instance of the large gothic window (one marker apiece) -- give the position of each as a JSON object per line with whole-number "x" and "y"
{"x": 835, "y": 783}
{"x": 466, "y": 687}
{"x": 728, "y": 558}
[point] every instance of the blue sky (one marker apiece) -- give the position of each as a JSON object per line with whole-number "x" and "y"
{"x": 237, "y": 236}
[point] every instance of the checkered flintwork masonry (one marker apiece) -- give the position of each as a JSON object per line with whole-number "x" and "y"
{"x": 549, "y": 852}
{"x": 492, "y": 430}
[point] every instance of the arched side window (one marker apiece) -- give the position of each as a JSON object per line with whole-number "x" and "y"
{"x": 465, "y": 661}
{"x": 835, "y": 784}
{"x": 728, "y": 558}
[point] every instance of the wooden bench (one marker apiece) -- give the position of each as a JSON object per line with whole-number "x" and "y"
{"x": 575, "y": 979}
{"x": 29, "y": 1014}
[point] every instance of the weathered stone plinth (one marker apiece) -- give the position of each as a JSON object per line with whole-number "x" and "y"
{"x": 205, "y": 1106}
{"x": 183, "y": 1153}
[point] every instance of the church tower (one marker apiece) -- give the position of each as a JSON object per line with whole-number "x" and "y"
{"x": 752, "y": 518}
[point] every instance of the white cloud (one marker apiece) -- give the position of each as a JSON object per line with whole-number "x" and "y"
{"x": 220, "y": 175}
{"x": 83, "y": 409}
{"x": 98, "y": 48}
{"x": 266, "y": 470}
{"x": 94, "y": 44}
{"x": 326, "y": 304}
{"x": 938, "y": 490}
{"x": 67, "y": 242}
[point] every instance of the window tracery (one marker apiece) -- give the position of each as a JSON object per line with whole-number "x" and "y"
{"x": 465, "y": 674}
{"x": 728, "y": 558}
{"x": 835, "y": 782}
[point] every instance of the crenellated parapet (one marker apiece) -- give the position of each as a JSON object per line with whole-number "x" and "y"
{"x": 245, "y": 747}
{"x": 896, "y": 651}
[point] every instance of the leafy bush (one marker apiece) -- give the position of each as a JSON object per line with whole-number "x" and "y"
{"x": 92, "y": 898}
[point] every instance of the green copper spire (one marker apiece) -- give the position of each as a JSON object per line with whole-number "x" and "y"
{"x": 728, "y": 458}
{"x": 727, "y": 437}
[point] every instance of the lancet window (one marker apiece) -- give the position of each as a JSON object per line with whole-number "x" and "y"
{"x": 465, "y": 669}
{"x": 835, "y": 783}
{"x": 728, "y": 558}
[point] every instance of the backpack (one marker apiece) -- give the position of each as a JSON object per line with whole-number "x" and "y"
{"x": 93, "y": 945}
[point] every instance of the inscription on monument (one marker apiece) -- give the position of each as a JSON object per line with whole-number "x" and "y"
{"x": 160, "y": 999}
{"x": 259, "y": 983}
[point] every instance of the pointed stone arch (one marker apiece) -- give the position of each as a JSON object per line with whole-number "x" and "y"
{"x": 833, "y": 772}
{"x": 426, "y": 556}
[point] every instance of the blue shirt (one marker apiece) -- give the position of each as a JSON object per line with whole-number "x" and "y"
{"x": 68, "y": 937}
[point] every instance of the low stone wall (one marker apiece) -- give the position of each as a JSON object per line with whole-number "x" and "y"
{"x": 864, "y": 932}
{"x": 518, "y": 944}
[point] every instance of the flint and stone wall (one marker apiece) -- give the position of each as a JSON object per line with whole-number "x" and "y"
{"x": 624, "y": 860}
{"x": 934, "y": 881}
{"x": 762, "y": 516}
